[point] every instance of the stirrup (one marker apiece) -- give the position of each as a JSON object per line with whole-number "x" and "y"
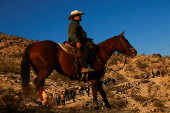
{"x": 86, "y": 70}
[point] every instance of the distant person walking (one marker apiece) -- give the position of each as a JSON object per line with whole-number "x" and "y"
{"x": 109, "y": 81}
{"x": 158, "y": 73}
{"x": 58, "y": 99}
{"x": 87, "y": 90}
{"x": 105, "y": 82}
{"x": 81, "y": 89}
{"x": 67, "y": 94}
{"x": 162, "y": 73}
{"x": 73, "y": 95}
{"x": 62, "y": 98}
{"x": 113, "y": 81}
{"x": 152, "y": 74}
{"x": 146, "y": 75}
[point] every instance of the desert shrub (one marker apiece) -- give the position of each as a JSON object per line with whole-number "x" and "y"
{"x": 137, "y": 77}
{"x": 129, "y": 67}
{"x": 15, "y": 55}
{"x": 142, "y": 75}
{"x": 113, "y": 60}
{"x": 160, "y": 109}
{"x": 2, "y": 90}
{"x": 150, "y": 87}
{"x": 144, "y": 81}
{"x": 7, "y": 66}
{"x": 158, "y": 103}
{"x": 123, "y": 89}
{"x": 120, "y": 78}
{"x": 157, "y": 87}
{"x": 108, "y": 89}
{"x": 167, "y": 56}
{"x": 118, "y": 103}
{"x": 135, "y": 110}
{"x": 139, "y": 98}
{"x": 155, "y": 61}
{"x": 10, "y": 89}
{"x": 156, "y": 55}
{"x": 142, "y": 66}
{"x": 10, "y": 103}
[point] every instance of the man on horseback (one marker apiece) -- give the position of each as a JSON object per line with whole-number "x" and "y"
{"x": 78, "y": 38}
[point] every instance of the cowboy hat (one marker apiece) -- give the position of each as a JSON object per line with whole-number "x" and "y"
{"x": 75, "y": 12}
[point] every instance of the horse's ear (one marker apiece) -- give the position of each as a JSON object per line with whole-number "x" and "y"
{"x": 122, "y": 34}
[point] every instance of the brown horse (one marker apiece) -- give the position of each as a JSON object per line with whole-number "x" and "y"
{"x": 46, "y": 56}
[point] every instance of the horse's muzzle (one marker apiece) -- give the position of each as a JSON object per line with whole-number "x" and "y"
{"x": 132, "y": 53}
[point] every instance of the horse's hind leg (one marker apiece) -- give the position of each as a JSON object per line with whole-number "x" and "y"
{"x": 103, "y": 94}
{"x": 39, "y": 82}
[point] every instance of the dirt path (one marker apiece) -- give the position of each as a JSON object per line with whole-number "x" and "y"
{"x": 79, "y": 100}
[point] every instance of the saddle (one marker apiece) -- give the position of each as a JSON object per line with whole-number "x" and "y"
{"x": 67, "y": 47}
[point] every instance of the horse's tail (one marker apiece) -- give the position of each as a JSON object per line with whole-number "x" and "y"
{"x": 25, "y": 68}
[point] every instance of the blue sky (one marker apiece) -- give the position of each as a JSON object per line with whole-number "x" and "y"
{"x": 146, "y": 22}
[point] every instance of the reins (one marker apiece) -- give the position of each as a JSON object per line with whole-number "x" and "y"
{"x": 109, "y": 57}
{"x": 110, "y": 68}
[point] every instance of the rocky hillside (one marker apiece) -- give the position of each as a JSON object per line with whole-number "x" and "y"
{"x": 131, "y": 92}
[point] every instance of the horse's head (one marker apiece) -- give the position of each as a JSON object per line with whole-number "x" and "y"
{"x": 125, "y": 47}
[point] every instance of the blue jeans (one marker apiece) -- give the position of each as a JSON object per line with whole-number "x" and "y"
{"x": 67, "y": 97}
{"x": 73, "y": 98}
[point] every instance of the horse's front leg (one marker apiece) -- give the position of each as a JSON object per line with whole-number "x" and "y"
{"x": 103, "y": 94}
{"x": 94, "y": 84}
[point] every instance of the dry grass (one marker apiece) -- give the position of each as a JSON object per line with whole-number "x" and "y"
{"x": 9, "y": 66}
{"x": 120, "y": 78}
{"x": 142, "y": 76}
{"x": 156, "y": 61}
{"x": 144, "y": 81}
{"x": 158, "y": 103}
{"x": 10, "y": 102}
{"x": 118, "y": 103}
{"x": 168, "y": 57}
{"x": 15, "y": 55}
{"x": 108, "y": 89}
{"x": 113, "y": 60}
{"x": 142, "y": 66}
{"x": 10, "y": 89}
{"x": 135, "y": 110}
{"x": 137, "y": 77}
{"x": 139, "y": 98}
{"x": 130, "y": 68}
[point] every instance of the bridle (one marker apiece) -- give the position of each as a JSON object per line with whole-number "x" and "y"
{"x": 117, "y": 47}
{"x": 120, "y": 38}
{"x": 129, "y": 50}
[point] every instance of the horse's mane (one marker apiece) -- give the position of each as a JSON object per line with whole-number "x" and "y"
{"x": 107, "y": 40}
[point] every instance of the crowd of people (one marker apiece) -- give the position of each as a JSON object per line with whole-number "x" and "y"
{"x": 108, "y": 81}
{"x": 65, "y": 96}
{"x": 157, "y": 74}
{"x": 68, "y": 94}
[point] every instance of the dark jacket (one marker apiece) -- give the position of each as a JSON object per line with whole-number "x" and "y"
{"x": 76, "y": 33}
{"x": 66, "y": 92}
